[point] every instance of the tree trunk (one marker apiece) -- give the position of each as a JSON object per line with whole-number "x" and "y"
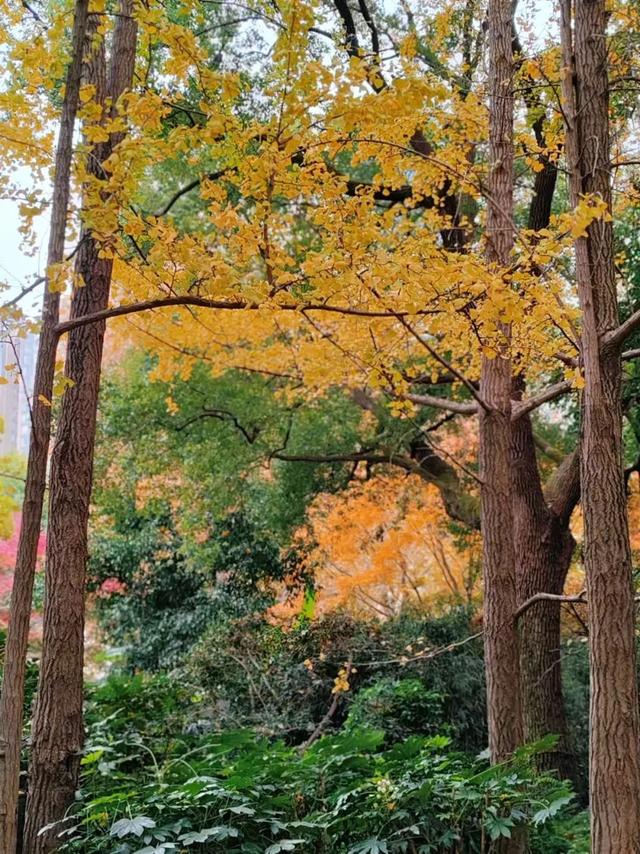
{"x": 12, "y": 699}
{"x": 500, "y": 635}
{"x": 58, "y": 725}
{"x": 614, "y": 754}
{"x": 543, "y": 542}
{"x": 544, "y": 547}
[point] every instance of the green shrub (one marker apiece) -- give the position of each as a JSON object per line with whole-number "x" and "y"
{"x": 575, "y": 679}
{"x": 568, "y": 834}
{"x": 236, "y": 792}
{"x": 156, "y": 600}
{"x": 281, "y": 683}
{"x": 30, "y": 680}
{"x": 398, "y": 707}
{"x": 150, "y": 600}
{"x": 158, "y": 705}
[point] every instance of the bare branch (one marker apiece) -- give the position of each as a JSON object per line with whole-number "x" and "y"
{"x": 214, "y": 176}
{"x": 39, "y": 280}
{"x": 443, "y": 403}
{"x": 445, "y": 364}
{"x": 617, "y": 337}
{"x": 545, "y": 396}
{"x": 547, "y": 449}
{"x": 426, "y": 655}
{"x": 326, "y": 720}
{"x": 23, "y": 293}
{"x": 365, "y": 457}
{"x": 250, "y": 434}
{"x": 548, "y": 597}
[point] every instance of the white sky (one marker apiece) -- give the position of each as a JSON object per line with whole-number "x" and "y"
{"x": 18, "y": 269}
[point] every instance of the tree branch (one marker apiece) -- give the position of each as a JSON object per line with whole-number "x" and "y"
{"x": 23, "y": 293}
{"x": 205, "y": 302}
{"x": 548, "y": 597}
{"x": 445, "y": 364}
{"x": 250, "y": 434}
{"x": 547, "y": 449}
{"x": 617, "y": 337}
{"x": 213, "y": 176}
{"x": 545, "y": 396}
{"x": 443, "y": 403}
{"x": 399, "y": 460}
{"x": 326, "y": 720}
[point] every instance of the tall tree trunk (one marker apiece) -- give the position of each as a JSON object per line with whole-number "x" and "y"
{"x": 543, "y": 542}
{"x": 500, "y": 635}
{"x": 544, "y": 547}
{"x": 614, "y": 754}
{"x": 58, "y": 725}
{"x": 12, "y": 699}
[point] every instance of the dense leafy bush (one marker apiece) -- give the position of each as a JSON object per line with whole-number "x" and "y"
{"x": 155, "y": 600}
{"x": 399, "y": 707}
{"x": 575, "y": 677}
{"x": 568, "y": 834}
{"x": 237, "y": 792}
{"x": 124, "y": 706}
{"x": 280, "y": 682}
{"x": 150, "y": 600}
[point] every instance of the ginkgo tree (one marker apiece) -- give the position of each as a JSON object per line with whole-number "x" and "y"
{"x": 383, "y": 246}
{"x": 357, "y": 226}
{"x": 372, "y": 258}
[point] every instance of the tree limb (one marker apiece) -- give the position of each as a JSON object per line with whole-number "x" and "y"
{"x": 617, "y": 337}
{"x": 548, "y": 597}
{"x": 443, "y": 403}
{"x": 545, "y": 396}
{"x": 205, "y": 302}
{"x": 250, "y": 434}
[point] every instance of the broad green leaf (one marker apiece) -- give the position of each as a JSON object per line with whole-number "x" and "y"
{"x": 131, "y": 826}
{"x": 373, "y": 845}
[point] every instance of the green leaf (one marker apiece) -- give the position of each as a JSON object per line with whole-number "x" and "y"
{"x": 554, "y": 807}
{"x": 284, "y": 845}
{"x": 92, "y": 758}
{"x": 373, "y": 845}
{"x": 218, "y": 833}
{"x": 498, "y": 827}
{"x": 543, "y": 745}
{"x": 243, "y": 809}
{"x": 135, "y": 826}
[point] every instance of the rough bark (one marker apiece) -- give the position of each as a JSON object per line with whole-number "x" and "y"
{"x": 57, "y": 737}
{"x": 544, "y": 547}
{"x": 543, "y": 542}
{"x": 12, "y": 699}
{"x": 614, "y": 754}
{"x": 500, "y": 635}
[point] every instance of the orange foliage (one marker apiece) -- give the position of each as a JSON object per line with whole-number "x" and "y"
{"x": 634, "y": 513}
{"x": 384, "y": 543}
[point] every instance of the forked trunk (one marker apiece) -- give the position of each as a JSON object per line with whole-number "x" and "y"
{"x": 57, "y": 737}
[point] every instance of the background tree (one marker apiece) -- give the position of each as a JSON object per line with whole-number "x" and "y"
{"x": 614, "y": 717}
{"x": 57, "y": 734}
{"x": 12, "y": 699}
